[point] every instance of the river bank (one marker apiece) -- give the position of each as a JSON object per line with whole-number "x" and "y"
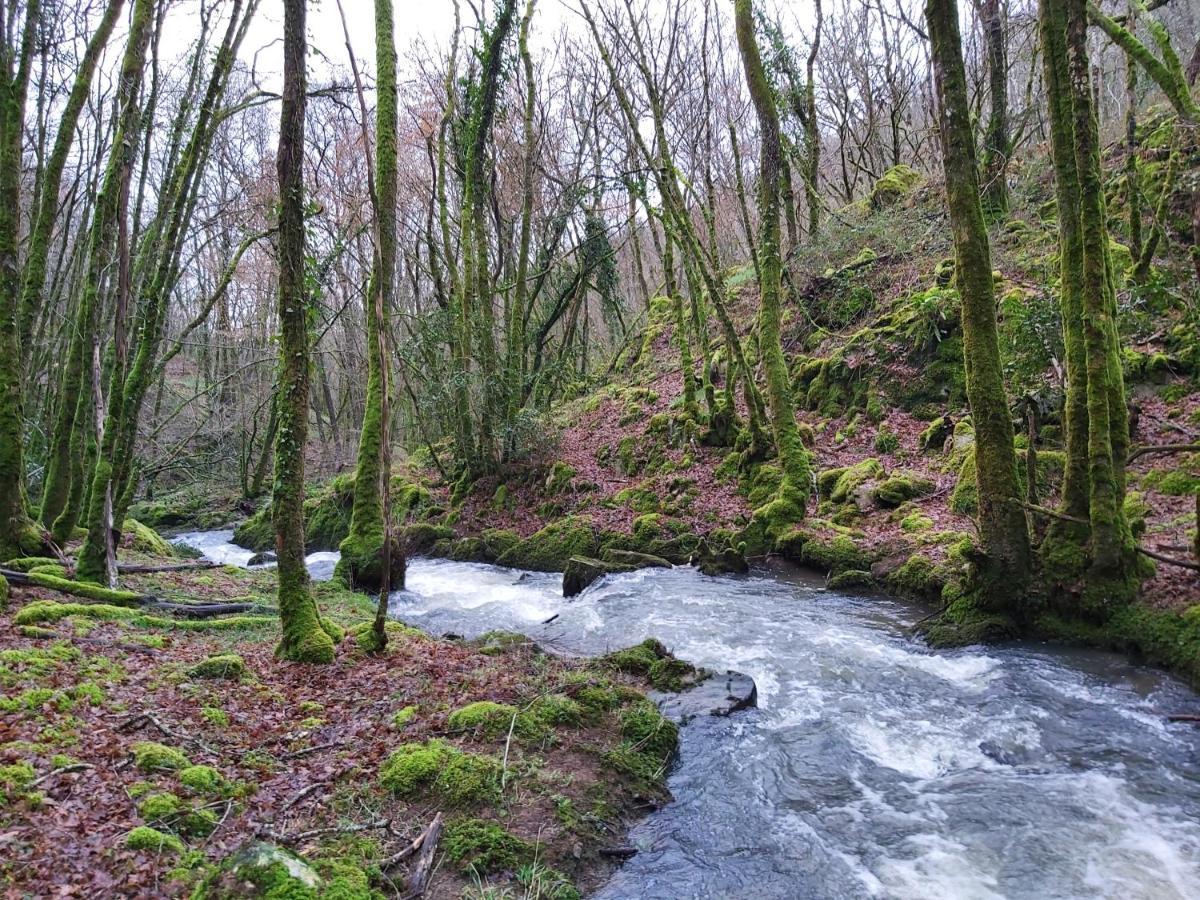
{"x": 152, "y": 756}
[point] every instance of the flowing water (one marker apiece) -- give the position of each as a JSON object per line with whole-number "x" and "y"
{"x": 872, "y": 767}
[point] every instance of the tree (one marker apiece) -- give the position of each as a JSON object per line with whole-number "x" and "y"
{"x": 368, "y": 558}
{"x": 1002, "y": 570}
{"x": 16, "y": 60}
{"x": 996, "y": 140}
{"x": 789, "y": 504}
{"x": 1091, "y": 541}
{"x": 305, "y": 638}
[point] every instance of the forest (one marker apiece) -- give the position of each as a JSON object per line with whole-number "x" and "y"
{"x": 473, "y": 450}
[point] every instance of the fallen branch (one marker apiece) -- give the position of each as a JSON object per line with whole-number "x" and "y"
{"x": 424, "y": 865}
{"x": 1169, "y": 560}
{"x": 62, "y": 770}
{"x": 302, "y": 836}
{"x": 1054, "y": 514}
{"x": 98, "y": 594}
{"x": 1161, "y": 448}
{"x": 619, "y": 852}
{"x": 49, "y": 635}
{"x": 315, "y": 786}
{"x": 150, "y": 719}
{"x": 1184, "y": 717}
{"x": 411, "y": 848}
{"x": 295, "y": 754}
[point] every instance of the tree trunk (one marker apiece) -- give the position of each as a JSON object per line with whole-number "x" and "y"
{"x": 996, "y": 144}
{"x": 789, "y": 505}
{"x": 1000, "y": 577}
{"x": 304, "y": 638}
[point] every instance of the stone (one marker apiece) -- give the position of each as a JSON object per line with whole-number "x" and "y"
{"x": 720, "y": 694}
{"x": 582, "y": 571}
{"x": 262, "y": 559}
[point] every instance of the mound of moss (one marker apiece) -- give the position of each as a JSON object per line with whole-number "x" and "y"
{"x": 150, "y": 756}
{"x": 439, "y": 769}
{"x": 483, "y": 847}
{"x": 656, "y": 664}
{"x": 549, "y": 549}
{"x": 223, "y": 666}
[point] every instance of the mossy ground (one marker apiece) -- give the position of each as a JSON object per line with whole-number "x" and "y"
{"x": 160, "y": 766}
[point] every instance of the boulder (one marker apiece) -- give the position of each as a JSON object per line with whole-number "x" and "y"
{"x": 260, "y": 868}
{"x": 581, "y": 571}
{"x": 262, "y": 559}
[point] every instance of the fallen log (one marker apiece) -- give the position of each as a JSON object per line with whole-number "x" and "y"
{"x": 98, "y": 594}
{"x": 150, "y": 568}
{"x": 1184, "y": 717}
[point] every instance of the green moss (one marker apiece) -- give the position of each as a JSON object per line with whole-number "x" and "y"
{"x": 403, "y": 716}
{"x": 851, "y": 578}
{"x": 150, "y": 756}
{"x": 483, "y": 847}
{"x": 638, "y": 659}
{"x": 549, "y": 549}
{"x": 85, "y": 589}
{"x": 157, "y": 808}
{"x": 456, "y": 777}
{"x": 1175, "y": 482}
{"x": 918, "y": 578}
{"x": 835, "y": 553}
{"x": 886, "y": 440}
{"x": 853, "y": 477}
{"x": 484, "y": 719}
{"x": 894, "y": 184}
{"x": 215, "y": 716}
{"x": 648, "y": 731}
{"x": 146, "y": 838}
{"x": 48, "y": 611}
{"x": 203, "y": 780}
{"x": 144, "y": 539}
{"x": 556, "y": 709}
{"x": 916, "y": 522}
{"x": 558, "y": 481}
{"x": 965, "y": 497}
{"x": 900, "y": 487}
{"x": 224, "y": 666}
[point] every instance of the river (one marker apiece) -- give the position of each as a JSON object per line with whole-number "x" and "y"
{"x": 872, "y": 767}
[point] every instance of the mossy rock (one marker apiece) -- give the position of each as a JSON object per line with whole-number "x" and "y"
{"x": 145, "y": 539}
{"x": 656, "y": 664}
{"x": 900, "y": 487}
{"x": 582, "y": 571}
{"x": 646, "y": 729}
{"x": 224, "y": 666}
{"x": 203, "y": 780}
{"x": 494, "y": 643}
{"x": 850, "y": 579}
{"x": 263, "y": 870}
{"x": 893, "y": 185}
{"x": 498, "y": 541}
{"x": 549, "y": 549}
{"x": 933, "y": 438}
{"x": 840, "y": 485}
{"x": 633, "y": 559}
{"x": 835, "y": 553}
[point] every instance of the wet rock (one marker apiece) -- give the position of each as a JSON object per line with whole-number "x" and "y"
{"x": 720, "y": 694}
{"x": 581, "y": 571}
{"x": 720, "y": 562}
{"x": 262, "y": 559}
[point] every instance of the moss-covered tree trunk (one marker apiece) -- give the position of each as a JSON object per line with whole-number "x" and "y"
{"x": 1002, "y": 572}
{"x": 304, "y": 637}
{"x": 16, "y": 60}
{"x": 363, "y": 550}
{"x": 996, "y": 143}
{"x": 1097, "y": 560}
{"x": 34, "y": 275}
{"x": 793, "y": 456}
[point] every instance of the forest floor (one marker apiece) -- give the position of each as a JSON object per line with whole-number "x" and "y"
{"x": 137, "y": 751}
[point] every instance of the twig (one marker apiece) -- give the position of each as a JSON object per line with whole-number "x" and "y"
{"x": 316, "y": 785}
{"x": 74, "y": 767}
{"x": 314, "y": 749}
{"x": 507, "y": 744}
{"x": 97, "y": 642}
